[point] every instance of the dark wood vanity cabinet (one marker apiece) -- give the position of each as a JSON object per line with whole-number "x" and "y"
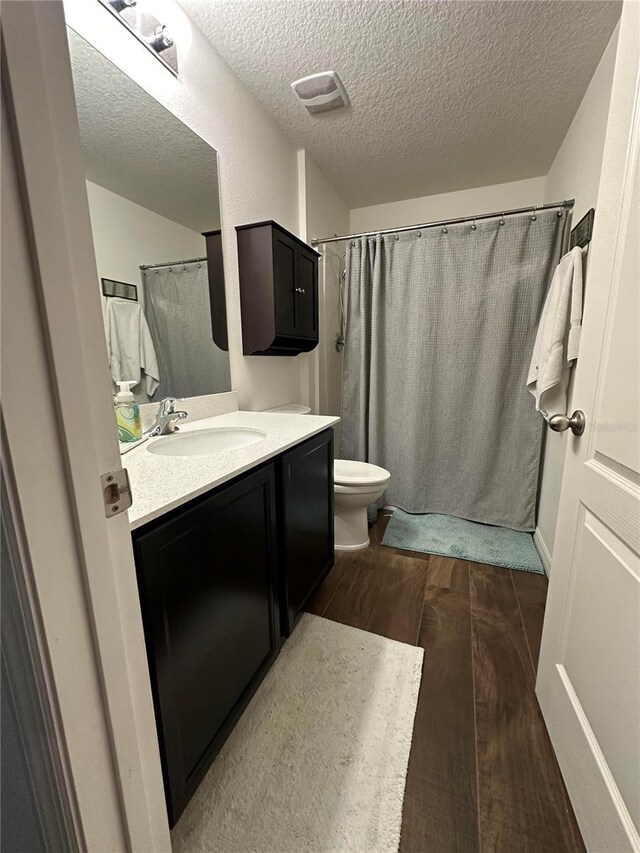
{"x": 214, "y": 576}
{"x": 278, "y": 291}
{"x": 208, "y": 588}
{"x": 305, "y": 523}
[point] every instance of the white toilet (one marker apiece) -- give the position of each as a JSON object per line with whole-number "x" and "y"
{"x": 355, "y": 486}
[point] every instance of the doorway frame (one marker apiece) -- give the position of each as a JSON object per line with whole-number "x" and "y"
{"x": 58, "y": 426}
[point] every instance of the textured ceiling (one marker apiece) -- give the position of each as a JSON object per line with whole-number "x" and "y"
{"x": 444, "y": 95}
{"x": 134, "y": 147}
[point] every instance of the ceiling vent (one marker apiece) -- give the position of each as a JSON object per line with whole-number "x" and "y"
{"x": 321, "y": 92}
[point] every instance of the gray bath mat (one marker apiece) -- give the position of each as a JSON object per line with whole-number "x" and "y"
{"x": 463, "y": 540}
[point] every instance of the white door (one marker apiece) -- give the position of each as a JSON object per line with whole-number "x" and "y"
{"x": 78, "y": 582}
{"x": 589, "y": 674}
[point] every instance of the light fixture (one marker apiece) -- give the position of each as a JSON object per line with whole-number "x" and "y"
{"x": 152, "y": 33}
{"x": 120, "y": 5}
{"x": 161, "y": 39}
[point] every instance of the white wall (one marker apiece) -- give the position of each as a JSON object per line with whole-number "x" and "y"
{"x": 257, "y": 165}
{"x": 126, "y": 235}
{"x": 575, "y": 173}
{"x": 325, "y": 213}
{"x": 432, "y": 208}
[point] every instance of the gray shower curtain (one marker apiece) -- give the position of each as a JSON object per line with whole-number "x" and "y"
{"x": 440, "y": 330}
{"x": 178, "y": 310}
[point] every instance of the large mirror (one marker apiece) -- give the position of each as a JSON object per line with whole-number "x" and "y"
{"x": 152, "y": 186}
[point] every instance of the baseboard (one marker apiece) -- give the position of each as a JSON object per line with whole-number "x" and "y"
{"x": 543, "y": 551}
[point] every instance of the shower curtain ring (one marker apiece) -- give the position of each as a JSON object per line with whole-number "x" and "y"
{"x": 445, "y": 230}
{"x": 473, "y": 225}
{"x": 502, "y": 220}
{"x": 533, "y": 215}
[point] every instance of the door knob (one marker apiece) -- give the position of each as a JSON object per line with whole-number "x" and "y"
{"x": 576, "y": 423}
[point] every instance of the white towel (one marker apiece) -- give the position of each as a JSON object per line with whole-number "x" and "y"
{"x": 131, "y": 349}
{"x": 558, "y": 337}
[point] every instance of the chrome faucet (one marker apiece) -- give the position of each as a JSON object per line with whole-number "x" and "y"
{"x": 166, "y": 417}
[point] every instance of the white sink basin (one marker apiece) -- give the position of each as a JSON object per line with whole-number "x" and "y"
{"x": 203, "y": 442}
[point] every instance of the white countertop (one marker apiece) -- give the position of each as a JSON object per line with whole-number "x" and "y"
{"x": 161, "y": 483}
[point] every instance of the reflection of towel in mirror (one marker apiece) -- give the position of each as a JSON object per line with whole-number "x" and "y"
{"x": 131, "y": 350}
{"x": 558, "y": 337}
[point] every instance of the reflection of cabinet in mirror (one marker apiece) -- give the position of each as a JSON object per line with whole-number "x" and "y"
{"x": 215, "y": 270}
{"x": 278, "y": 291}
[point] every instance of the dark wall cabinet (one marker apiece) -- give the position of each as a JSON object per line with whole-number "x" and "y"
{"x": 215, "y": 271}
{"x": 213, "y": 577}
{"x": 278, "y": 291}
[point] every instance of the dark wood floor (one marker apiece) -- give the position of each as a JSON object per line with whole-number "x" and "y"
{"x": 482, "y": 774}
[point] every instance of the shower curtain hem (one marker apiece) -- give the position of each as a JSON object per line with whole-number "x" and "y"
{"x": 457, "y": 515}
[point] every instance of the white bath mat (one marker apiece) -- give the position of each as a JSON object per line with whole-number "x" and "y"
{"x": 318, "y": 761}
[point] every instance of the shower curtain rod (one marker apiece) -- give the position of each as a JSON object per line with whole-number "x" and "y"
{"x": 171, "y": 263}
{"x": 533, "y": 209}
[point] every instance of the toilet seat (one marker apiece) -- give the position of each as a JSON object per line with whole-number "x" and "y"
{"x": 347, "y": 472}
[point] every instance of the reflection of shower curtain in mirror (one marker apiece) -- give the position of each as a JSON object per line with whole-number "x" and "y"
{"x": 179, "y": 315}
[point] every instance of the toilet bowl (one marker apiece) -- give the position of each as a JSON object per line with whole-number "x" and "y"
{"x": 355, "y": 485}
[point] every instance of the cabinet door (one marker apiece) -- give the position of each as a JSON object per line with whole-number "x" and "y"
{"x": 306, "y": 523}
{"x": 215, "y": 272}
{"x": 207, "y": 580}
{"x": 307, "y": 292}
{"x": 285, "y": 274}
